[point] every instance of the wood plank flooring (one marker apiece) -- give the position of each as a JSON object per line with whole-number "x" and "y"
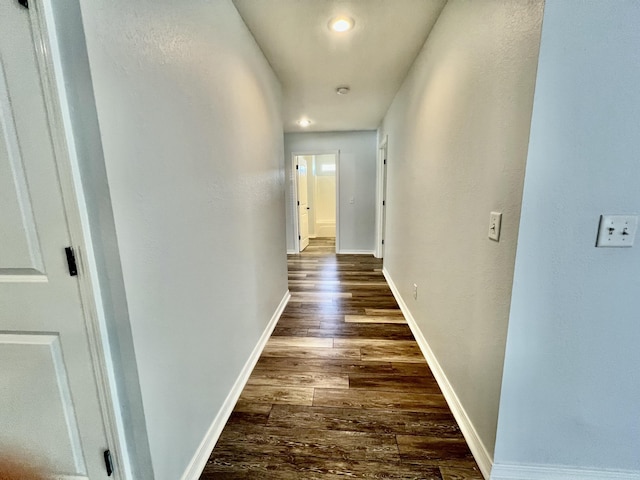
{"x": 341, "y": 389}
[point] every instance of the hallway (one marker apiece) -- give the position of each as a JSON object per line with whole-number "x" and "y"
{"x": 341, "y": 389}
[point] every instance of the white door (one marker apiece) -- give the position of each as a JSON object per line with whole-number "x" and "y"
{"x": 49, "y": 405}
{"x": 303, "y": 203}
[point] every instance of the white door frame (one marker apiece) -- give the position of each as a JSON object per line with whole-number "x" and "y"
{"x": 381, "y": 184}
{"x": 48, "y": 57}
{"x": 296, "y": 220}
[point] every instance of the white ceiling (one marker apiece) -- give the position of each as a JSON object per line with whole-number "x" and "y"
{"x": 311, "y": 61}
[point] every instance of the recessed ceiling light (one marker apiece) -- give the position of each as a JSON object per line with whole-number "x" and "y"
{"x": 343, "y": 90}
{"x": 304, "y": 123}
{"x": 341, "y": 24}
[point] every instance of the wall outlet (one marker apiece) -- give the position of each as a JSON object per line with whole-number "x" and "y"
{"x": 617, "y": 230}
{"x": 495, "y": 219}
{"x": 415, "y": 291}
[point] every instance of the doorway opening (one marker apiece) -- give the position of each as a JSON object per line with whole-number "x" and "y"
{"x": 316, "y": 198}
{"x": 381, "y": 198}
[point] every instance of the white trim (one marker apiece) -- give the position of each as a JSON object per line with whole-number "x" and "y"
{"x": 536, "y": 472}
{"x": 380, "y": 194}
{"x": 24, "y": 279}
{"x": 355, "y": 252}
{"x": 48, "y": 57}
{"x": 291, "y": 252}
{"x": 199, "y": 460}
{"x": 479, "y": 451}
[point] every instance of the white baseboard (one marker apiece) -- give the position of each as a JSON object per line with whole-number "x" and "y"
{"x": 537, "y": 472}
{"x": 355, "y": 252}
{"x": 476, "y": 445}
{"x": 199, "y": 460}
{"x": 291, "y": 252}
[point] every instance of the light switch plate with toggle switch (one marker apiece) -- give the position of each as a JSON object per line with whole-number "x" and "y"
{"x": 617, "y": 230}
{"x": 495, "y": 219}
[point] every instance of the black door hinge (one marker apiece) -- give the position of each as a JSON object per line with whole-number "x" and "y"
{"x": 297, "y": 167}
{"x": 384, "y": 203}
{"x": 24, "y": 3}
{"x": 299, "y": 237}
{"x": 298, "y": 202}
{"x": 385, "y": 161}
{"x": 108, "y": 463}
{"x": 383, "y": 242}
{"x": 71, "y": 261}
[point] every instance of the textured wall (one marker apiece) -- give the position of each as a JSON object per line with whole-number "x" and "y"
{"x": 458, "y": 132}
{"x": 571, "y": 388}
{"x": 356, "y": 178}
{"x": 189, "y": 112}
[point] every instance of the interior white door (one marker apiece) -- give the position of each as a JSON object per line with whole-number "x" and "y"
{"x": 49, "y": 406}
{"x": 303, "y": 203}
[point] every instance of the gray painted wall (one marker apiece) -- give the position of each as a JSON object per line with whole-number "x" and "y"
{"x": 189, "y": 113}
{"x": 571, "y": 387}
{"x": 357, "y": 178}
{"x": 457, "y": 143}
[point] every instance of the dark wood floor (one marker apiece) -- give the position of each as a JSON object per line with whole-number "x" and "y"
{"x": 341, "y": 389}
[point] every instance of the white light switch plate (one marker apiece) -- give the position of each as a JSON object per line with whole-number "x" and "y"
{"x": 495, "y": 219}
{"x": 617, "y": 230}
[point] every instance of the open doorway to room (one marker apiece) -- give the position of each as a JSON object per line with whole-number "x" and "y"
{"x": 316, "y": 197}
{"x": 381, "y": 198}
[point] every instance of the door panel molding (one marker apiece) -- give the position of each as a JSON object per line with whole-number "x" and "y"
{"x": 20, "y": 254}
{"x": 39, "y": 378}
